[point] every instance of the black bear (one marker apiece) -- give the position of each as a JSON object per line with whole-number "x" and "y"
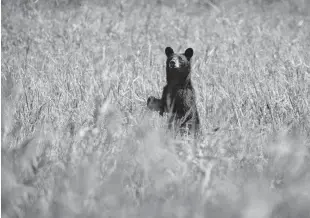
{"x": 178, "y": 97}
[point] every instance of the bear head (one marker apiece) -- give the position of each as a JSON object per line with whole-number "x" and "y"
{"x": 178, "y": 66}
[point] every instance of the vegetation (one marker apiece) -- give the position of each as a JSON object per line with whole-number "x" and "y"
{"x": 78, "y": 140}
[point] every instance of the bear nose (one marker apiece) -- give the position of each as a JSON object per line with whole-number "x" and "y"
{"x": 172, "y": 63}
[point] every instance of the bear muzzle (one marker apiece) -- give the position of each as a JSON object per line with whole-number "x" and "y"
{"x": 174, "y": 63}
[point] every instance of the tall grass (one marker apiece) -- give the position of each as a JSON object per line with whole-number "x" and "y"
{"x": 78, "y": 141}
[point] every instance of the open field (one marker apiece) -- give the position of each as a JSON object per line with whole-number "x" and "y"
{"x": 78, "y": 141}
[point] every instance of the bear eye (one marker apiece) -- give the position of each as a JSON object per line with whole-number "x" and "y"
{"x": 182, "y": 60}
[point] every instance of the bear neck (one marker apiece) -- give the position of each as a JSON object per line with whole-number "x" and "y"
{"x": 178, "y": 77}
{"x": 176, "y": 81}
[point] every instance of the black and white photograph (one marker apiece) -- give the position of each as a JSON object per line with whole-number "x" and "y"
{"x": 155, "y": 108}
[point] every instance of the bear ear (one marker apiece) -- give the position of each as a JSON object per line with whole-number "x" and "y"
{"x": 169, "y": 51}
{"x": 189, "y": 53}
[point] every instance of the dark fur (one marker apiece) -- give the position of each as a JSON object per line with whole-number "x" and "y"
{"x": 178, "y": 97}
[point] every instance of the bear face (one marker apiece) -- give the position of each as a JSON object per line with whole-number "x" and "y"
{"x": 178, "y": 66}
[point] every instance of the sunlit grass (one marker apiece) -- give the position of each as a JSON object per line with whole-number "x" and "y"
{"x": 78, "y": 140}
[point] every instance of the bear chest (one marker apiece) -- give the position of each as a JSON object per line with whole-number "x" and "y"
{"x": 181, "y": 98}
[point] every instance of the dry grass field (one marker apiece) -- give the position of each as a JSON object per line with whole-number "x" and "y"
{"x": 77, "y": 139}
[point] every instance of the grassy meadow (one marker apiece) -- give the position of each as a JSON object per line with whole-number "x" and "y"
{"x": 77, "y": 139}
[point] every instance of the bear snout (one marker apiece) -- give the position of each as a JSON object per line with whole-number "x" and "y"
{"x": 174, "y": 63}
